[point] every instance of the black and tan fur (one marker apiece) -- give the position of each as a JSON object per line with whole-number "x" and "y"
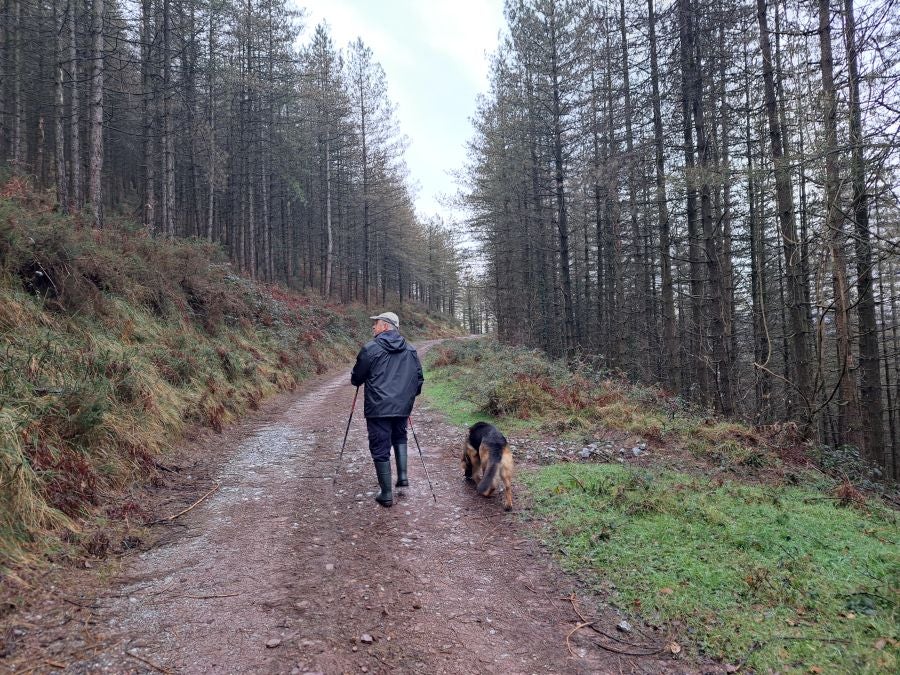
{"x": 488, "y": 459}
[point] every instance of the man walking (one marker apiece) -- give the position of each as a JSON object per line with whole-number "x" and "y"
{"x": 389, "y": 367}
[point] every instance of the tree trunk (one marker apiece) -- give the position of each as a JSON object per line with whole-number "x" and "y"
{"x": 787, "y": 224}
{"x": 717, "y": 335}
{"x": 366, "y": 222}
{"x": 848, "y": 412}
{"x": 211, "y": 129}
{"x": 59, "y": 17}
{"x": 758, "y": 286}
{"x": 96, "y": 156}
{"x": 670, "y": 348}
{"x": 892, "y": 461}
{"x": 77, "y": 198}
{"x": 697, "y": 372}
{"x": 640, "y": 327}
{"x": 870, "y": 372}
{"x": 559, "y": 177}
{"x": 148, "y": 214}
{"x": 18, "y": 112}
{"x": 329, "y": 250}
{"x": 168, "y": 141}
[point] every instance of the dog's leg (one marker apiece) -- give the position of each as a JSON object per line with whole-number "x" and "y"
{"x": 488, "y": 482}
{"x": 506, "y": 471}
{"x": 466, "y": 461}
{"x": 470, "y": 462}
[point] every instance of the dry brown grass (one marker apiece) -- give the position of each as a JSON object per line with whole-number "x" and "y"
{"x": 114, "y": 344}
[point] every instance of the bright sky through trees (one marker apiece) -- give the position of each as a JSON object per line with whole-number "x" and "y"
{"x": 435, "y": 56}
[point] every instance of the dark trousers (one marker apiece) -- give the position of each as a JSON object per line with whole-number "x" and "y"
{"x": 383, "y": 433}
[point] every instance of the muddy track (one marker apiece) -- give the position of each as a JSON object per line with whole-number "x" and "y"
{"x": 280, "y": 571}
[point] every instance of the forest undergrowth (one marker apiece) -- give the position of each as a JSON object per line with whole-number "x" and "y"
{"x": 751, "y": 545}
{"x": 112, "y": 345}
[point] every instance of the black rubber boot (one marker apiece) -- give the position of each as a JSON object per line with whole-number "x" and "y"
{"x": 400, "y": 456}
{"x": 383, "y": 470}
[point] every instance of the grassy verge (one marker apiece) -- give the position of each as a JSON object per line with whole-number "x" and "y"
{"x": 111, "y": 344}
{"x": 774, "y": 577}
{"x": 747, "y": 567}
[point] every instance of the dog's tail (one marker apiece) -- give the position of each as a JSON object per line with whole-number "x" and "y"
{"x": 490, "y": 474}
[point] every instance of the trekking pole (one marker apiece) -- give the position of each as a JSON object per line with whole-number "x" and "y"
{"x": 422, "y": 457}
{"x": 346, "y": 431}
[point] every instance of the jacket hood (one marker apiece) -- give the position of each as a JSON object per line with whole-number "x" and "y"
{"x": 392, "y": 341}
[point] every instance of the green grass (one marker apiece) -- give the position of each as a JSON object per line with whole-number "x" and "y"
{"x": 442, "y": 392}
{"x": 781, "y": 577}
{"x": 775, "y": 576}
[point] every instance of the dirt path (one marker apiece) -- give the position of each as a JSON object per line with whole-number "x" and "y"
{"x": 278, "y": 571}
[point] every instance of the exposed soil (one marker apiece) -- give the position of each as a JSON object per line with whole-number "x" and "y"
{"x": 280, "y": 571}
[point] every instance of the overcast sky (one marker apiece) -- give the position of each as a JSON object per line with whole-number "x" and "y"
{"x": 435, "y": 56}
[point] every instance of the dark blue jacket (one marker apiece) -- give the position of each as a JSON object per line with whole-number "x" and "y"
{"x": 389, "y": 367}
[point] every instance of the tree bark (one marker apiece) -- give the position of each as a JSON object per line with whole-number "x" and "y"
{"x": 717, "y": 336}
{"x": 329, "y": 251}
{"x": 95, "y": 186}
{"x": 168, "y": 140}
{"x": 59, "y": 16}
{"x": 848, "y": 412}
{"x": 697, "y": 373}
{"x": 211, "y": 129}
{"x": 18, "y": 112}
{"x": 670, "y": 348}
{"x": 870, "y": 372}
{"x": 77, "y": 194}
{"x": 640, "y": 327}
{"x": 559, "y": 178}
{"x": 788, "y": 227}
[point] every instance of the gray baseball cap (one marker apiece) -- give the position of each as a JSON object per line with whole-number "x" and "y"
{"x": 390, "y": 317}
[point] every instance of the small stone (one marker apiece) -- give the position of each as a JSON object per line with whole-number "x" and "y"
{"x": 365, "y": 637}
{"x": 624, "y": 626}
{"x": 274, "y": 642}
{"x": 585, "y": 453}
{"x": 329, "y": 567}
{"x": 637, "y": 452}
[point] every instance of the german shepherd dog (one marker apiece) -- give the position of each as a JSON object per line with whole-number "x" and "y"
{"x": 487, "y": 451}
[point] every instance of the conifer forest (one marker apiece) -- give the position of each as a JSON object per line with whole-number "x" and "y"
{"x": 704, "y": 194}
{"x": 696, "y": 193}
